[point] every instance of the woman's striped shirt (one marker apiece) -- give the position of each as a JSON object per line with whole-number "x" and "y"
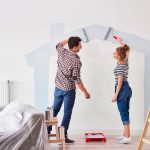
{"x": 121, "y": 69}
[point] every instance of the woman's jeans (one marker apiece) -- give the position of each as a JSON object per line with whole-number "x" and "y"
{"x": 68, "y": 97}
{"x": 123, "y": 102}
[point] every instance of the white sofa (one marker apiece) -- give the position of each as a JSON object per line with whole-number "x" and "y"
{"x": 29, "y": 133}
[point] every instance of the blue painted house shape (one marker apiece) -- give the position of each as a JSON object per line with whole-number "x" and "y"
{"x": 39, "y": 58}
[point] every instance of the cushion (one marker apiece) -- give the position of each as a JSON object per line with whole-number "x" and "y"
{"x": 11, "y": 117}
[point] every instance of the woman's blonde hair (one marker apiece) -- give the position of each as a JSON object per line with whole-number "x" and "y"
{"x": 121, "y": 51}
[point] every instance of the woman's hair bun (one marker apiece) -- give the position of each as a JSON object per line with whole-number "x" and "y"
{"x": 126, "y": 48}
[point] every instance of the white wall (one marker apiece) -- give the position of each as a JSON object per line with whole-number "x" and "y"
{"x": 97, "y": 74}
{"x": 24, "y": 26}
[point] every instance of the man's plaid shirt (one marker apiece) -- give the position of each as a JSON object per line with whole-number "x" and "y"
{"x": 68, "y": 69}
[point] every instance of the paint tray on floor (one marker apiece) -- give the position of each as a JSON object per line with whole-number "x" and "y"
{"x": 95, "y": 137}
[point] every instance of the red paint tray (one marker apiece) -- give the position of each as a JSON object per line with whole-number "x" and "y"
{"x": 95, "y": 137}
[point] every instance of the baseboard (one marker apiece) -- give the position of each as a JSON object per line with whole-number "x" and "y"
{"x": 105, "y": 131}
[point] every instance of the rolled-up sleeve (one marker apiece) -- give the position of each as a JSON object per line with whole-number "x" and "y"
{"x": 60, "y": 48}
{"x": 76, "y": 75}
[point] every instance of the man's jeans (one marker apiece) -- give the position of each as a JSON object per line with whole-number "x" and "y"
{"x": 68, "y": 97}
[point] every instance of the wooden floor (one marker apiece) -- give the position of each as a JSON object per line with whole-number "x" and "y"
{"x": 111, "y": 144}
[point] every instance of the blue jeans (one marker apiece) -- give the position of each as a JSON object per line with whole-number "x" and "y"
{"x": 123, "y": 102}
{"x": 68, "y": 97}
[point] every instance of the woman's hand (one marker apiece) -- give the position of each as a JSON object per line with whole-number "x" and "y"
{"x": 114, "y": 99}
{"x": 119, "y": 40}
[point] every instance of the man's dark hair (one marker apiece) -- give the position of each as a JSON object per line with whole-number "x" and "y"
{"x": 73, "y": 41}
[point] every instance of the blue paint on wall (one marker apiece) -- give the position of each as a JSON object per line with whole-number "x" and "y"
{"x": 39, "y": 58}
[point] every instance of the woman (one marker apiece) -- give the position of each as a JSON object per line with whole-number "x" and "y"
{"x": 123, "y": 91}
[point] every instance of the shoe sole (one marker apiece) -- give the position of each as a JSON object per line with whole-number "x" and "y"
{"x": 124, "y": 142}
{"x": 128, "y": 142}
{"x": 69, "y": 143}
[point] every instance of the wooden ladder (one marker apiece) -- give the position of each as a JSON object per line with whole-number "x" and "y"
{"x": 60, "y": 138}
{"x": 143, "y": 136}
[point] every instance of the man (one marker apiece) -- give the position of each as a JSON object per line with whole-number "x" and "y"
{"x": 67, "y": 78}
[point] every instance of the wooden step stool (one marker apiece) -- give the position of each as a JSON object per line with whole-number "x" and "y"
{"x": 59, "y": 132}
{"x": 143, "y": 136}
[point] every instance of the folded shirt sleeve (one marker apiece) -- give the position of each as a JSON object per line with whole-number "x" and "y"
{"x": 60, "y": 48}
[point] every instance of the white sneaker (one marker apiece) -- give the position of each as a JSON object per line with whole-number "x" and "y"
{"x": 119, "y": 137}
{"x": 125, "y": 140}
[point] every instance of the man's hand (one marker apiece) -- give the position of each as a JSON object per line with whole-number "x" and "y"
{"x": 114, "y": 99}
{"x": 83, "y": 89}
{"x": 87, "y": 95}
{"x": 64, "y": 42}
